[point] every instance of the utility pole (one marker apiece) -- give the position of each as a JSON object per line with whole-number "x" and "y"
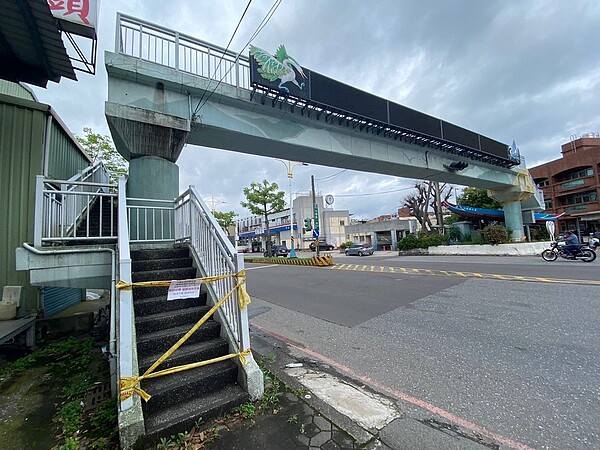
{"x": 315, "y": 215}
{"x": 438, "y": 207}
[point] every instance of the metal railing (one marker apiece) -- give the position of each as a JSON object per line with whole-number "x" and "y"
{"x": 62, "y": 206}
{"x": 150, "y": 220}
{"x": 160, "y": 45}
{"x": 194, "y": 223}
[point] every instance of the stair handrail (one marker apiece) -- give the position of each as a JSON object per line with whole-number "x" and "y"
{"x": 126, "y": 351}
{"x": 75, "y": 206}
{"x": 61, "y": 204}
{"x": 216, "y": 254}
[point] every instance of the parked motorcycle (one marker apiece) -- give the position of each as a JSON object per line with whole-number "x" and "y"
{"x": 584, "y": 253}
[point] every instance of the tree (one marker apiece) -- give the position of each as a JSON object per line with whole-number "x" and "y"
{"x": 477, "y": 198}
{"x": 225, "y": 219}
{"x": 425, "y": 197}
{"x": 418, "y": 204}
{"x": 101, "y": 148}
{"x": 263, "y": 199}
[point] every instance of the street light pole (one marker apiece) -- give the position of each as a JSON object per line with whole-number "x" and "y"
{"x": 289, "y": 167}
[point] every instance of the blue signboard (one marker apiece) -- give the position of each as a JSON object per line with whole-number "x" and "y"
{"x": 316, "y": 233}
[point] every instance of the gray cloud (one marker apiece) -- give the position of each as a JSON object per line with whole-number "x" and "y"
{"x": 527, "y": 71}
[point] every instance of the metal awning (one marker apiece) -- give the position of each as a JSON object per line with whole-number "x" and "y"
{"x": 31, "y": 47}
{"x": 587, "y": 216}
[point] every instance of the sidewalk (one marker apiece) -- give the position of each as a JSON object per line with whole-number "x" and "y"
{"x": 311, "y": 420}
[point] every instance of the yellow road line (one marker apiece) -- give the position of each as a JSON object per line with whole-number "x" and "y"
{"x": 452, "y": 273}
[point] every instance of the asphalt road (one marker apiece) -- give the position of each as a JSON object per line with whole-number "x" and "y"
{"x": 518, "y": 360}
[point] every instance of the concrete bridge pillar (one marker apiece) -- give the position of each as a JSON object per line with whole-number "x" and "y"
{"x": 513, "y": 219}
{"x": 151, "y": 141}
{"x": 511, "y": 197}
{"x": 153, "y": 177}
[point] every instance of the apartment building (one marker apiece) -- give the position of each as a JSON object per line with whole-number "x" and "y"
{"x": 571, "y": 184}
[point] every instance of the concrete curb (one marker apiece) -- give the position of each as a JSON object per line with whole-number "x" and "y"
{"x": 315, "y": 261}
{"x": 263, "y": 345}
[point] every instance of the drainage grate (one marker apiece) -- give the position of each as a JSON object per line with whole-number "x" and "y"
{"x": 96, "y": 395}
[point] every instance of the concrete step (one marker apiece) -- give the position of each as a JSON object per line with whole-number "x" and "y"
{"x": 154, "y": 305}
{"x": 187, "y": 354}
{"x": 181, "y": 417}
{"x": 159, "y": 253}
{"x": 157, "y": 264}
{"x": 150, "y": 292}
{"x": 164, "y": 339}
{"x": 182, "y": 273}
{"x": 175, "y": 389}
{"x": 169, "y": 319}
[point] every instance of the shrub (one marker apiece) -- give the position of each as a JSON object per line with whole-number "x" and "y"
{"x": 345, "y": 245}
{"x": 539, "y": 234}
{"x": 495, "y": 234}
{"x": 431, "y": 240}
{"x": 411, "y": 241}
{"x": 454, "y": 234}
{"x": 407, "y": 243}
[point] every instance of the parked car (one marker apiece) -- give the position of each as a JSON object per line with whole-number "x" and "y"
{"x": 277, "y": 250}
{"x": 323, "y": 247}
{"x": 359, "y": 249}
{"x": 243, "y": 249}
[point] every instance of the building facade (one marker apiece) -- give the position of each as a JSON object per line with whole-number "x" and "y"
{"x": 571, "y": 185}
{"x": 251, "y": 230}
{"x": 33, "y": 141}
{"x": 381, "y": 234}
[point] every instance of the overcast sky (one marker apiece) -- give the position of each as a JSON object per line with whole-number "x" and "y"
{"x": 510, "y": 69}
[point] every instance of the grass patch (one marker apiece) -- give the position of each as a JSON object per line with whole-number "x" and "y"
{"x": 70, "y": 368}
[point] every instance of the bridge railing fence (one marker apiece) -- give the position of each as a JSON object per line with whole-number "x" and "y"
{"x": 170, "y": 48}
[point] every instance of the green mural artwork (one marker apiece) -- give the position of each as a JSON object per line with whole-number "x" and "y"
{"x": 278, "y": 67}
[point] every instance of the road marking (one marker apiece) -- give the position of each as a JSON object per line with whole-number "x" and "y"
{"x": 262, "y": 267}
{"x": 456, "y": 273}
{"x": 472, "y": 426}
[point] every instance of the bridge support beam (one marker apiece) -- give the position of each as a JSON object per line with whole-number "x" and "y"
{"x": 151, "y": 141}
{"x": 522, "y": 188}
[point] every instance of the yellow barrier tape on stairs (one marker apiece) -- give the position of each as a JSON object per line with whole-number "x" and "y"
{"x": 130, "y": 385}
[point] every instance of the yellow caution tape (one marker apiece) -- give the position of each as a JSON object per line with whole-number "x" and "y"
{"x": 130, "y": 385}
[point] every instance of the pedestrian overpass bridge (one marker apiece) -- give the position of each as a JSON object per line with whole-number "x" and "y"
{"x": 166, "y": 89}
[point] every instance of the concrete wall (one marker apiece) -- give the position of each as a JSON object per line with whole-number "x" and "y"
{"x": 514, "y": 249}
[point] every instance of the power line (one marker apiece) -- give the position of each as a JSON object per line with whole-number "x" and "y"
{"x": 374, "y": 193}
{"x": 263, "y": 23}
{"x": 329, "y": 177}
{"x": 223, "y": 54}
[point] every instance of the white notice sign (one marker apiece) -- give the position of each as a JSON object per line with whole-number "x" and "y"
{"x": 184, "y": 289}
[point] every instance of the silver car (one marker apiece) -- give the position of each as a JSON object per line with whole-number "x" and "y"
{"x": 359, "y": 249}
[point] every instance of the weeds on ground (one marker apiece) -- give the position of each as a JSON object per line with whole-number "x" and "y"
{"x": 74, "y": 366}
{"x": 197, "y": 438}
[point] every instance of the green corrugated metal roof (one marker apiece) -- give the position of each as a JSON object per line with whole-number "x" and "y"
{"x": 16, "y": 90}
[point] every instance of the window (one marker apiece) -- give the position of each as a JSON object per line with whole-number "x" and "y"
{"x": 543, "y": 182}
{"x": 584, "y": 197}
{"x": 548, "y": 204}
{"x": 342, "y": 223}
{"x": 574, "y": 174}
{"x": 572, "y": 184}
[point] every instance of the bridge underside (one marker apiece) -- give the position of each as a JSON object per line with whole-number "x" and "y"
{"x": 235, "y": 119}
